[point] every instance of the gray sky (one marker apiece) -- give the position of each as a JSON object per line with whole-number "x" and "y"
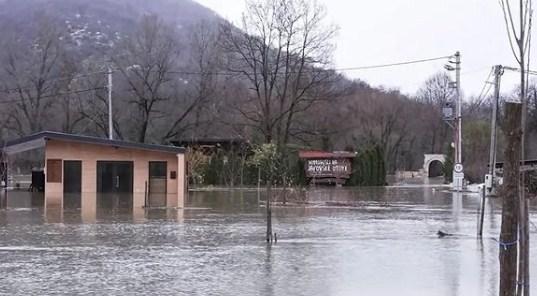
{"x": 384, "y": 31}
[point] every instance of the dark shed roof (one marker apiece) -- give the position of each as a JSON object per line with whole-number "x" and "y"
{"x": 314, "y": 154}
{"x": 211, "y": 142}
{"x": 38, "y": 140}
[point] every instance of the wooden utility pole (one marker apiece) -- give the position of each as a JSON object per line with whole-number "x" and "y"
{"x": 490, "y": 178}
{"x": 498, "y": 72}
{"x": 458, "y": 169}
{"x": 510, "y": 204}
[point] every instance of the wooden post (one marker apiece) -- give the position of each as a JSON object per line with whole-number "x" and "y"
{"x": 145, "y": 195}
{"x": 510, "y": 204}
{"x": 269, "y": 211}
{"x": 3, "y": 198}
{"x": 258, "y": 185}
{"x": 482, "y": 213}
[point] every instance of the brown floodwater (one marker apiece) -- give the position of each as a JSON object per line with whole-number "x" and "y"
{"x": 361, "y": 241}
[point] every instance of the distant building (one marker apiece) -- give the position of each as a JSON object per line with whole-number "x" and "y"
{"x": 154, "y": 175}
{"x": 329, "y": 168}
{"x": 212, "y": 145}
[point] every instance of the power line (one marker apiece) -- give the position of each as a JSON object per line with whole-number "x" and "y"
{"x": 230, "y": 73}
{"x": 530, "y": 72}
{"x": 484, "y": 91}
{"x": 56, "y": 95}
{"x": 475, "y": 70}
{"x": 233, "y": 73}
{"x": 393, "y": 64}
{"x": 486, "y": 85}
{"x": 55, "y": 79}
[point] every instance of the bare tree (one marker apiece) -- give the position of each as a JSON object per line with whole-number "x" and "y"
{"x": 435, "y": 93}
{"x": 281, "y": 52}
{"x": 33, "y": 74}
{"x": 92, "y": 106}
{"x": 382, "y": 121}
{"x": 508, "y": 235}
{"x": 202, "y": 84}
{"x": 436, "y": 90}
{"x": 519, "y": 34}
{"x": 68, "y": 114}
{"x": 146, "y": 63}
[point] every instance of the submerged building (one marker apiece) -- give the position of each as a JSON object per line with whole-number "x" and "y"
{"x": 154, "y": 175}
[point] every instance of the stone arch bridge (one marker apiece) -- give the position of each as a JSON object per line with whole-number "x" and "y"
{"x": 433, "y": 165}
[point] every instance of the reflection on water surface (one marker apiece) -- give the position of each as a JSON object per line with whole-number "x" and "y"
{"x": 346, "y": 242}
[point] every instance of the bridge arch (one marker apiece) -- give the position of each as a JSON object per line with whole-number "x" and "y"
{"x": 433, "y": 165}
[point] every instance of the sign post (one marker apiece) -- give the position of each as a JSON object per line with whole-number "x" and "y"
{"x": 458, "y": 177}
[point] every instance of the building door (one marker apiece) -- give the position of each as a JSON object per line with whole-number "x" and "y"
{"x": 157, "y": 183}
{"x": 114, "y": 176}
{"x": 3, "y": 173}
{"x": 72, "y": 176}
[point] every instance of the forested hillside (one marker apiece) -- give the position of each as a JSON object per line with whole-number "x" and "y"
{"x": 182, "y": 72}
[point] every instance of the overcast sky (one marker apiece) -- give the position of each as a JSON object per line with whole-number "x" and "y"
{"x": 384, "y": 31}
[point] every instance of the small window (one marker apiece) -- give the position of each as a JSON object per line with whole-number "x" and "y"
{"x": 173, "y": 175}
{"x": 157, "y": 169}
{"x": 54, "y": 170}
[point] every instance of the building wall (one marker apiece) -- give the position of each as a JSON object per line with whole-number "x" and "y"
{"x": 89, "y": 155}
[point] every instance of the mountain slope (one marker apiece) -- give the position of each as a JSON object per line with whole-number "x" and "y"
{"x": 97, "y": 20}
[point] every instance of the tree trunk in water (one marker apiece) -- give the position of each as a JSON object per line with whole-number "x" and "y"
{"x": 510, "y": 205}
{"x": 523, "y": 227}
{"x": 269, "y": 212}
{"x": 524, "y": 256}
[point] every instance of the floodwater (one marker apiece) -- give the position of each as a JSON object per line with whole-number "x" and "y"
{"x": 368, "y": 241}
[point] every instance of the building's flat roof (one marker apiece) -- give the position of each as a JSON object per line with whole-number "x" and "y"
{"x": 38, "y": 140}
{"x": 211, "y": 142}
{"x": 315, "y": 154}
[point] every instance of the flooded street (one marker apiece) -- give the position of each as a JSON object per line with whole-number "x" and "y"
{"x": 368, "y": 241}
